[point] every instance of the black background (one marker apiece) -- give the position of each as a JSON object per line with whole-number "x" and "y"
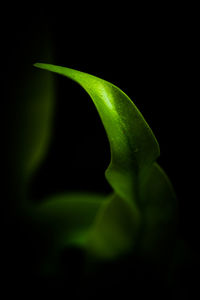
{"x": 150, "y": 53}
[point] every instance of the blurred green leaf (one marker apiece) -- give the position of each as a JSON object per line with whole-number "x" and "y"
{"x": 67, "y": 215}
{"x": 30, "y": 130}
{"x": 36, "y": 130}
{"x": 62, "y": 221}
{"x": 159, "y": 211}
{"x": 115, "y": 229}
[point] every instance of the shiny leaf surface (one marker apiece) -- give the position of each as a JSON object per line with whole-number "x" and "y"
{"x": 143, "y": 201}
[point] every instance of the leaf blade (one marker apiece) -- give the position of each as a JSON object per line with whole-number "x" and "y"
{"x": 132, "y": 169}
{"x": 126, "y": 129}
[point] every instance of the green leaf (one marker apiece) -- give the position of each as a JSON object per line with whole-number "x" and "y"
{"x": 159, "y": 211}
{"x": 30, "y": 133}
{"x": 31, "y": 123}
{"x": 115, "y": 229}
{"x": 143, "y": 200}
{"x": 62, "y": 221}
{"x": 36, "y": 128}
{"x": 132, "y": 143}
{"x": 66, "y": 215}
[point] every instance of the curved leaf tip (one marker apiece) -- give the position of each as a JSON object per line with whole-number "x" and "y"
{"x": 132, "y": 143}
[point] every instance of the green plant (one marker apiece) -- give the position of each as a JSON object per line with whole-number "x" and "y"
{"x": 140, "y": 215}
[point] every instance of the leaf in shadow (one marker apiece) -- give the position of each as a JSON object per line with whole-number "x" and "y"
{"x": 62, "y": 221}
{"x": 67, "y": 214}
{"x": 31, "y": 131}
{"x": 159, "y": 210}
{"x": 115, "y": 229}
